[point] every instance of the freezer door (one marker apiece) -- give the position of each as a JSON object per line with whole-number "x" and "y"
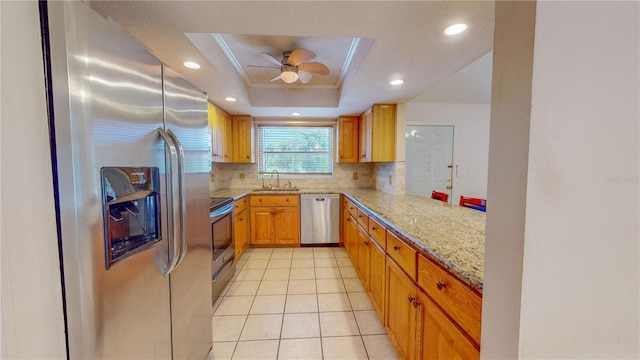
{"x": 191, "y": 311}
{"x": 107, "y": 100}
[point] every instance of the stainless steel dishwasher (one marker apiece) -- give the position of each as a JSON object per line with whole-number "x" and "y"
{"x": 320, "y": 219}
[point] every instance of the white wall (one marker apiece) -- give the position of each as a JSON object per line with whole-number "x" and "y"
{"x": 470, "y": 141}
{"x": 581, "y": 250}
{"x": 572, "y": 229}
{"x": 32, "y": 319}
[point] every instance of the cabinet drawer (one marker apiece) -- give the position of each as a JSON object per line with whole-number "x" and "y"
{"x": 351, "y": 208}
{"x": 275, "y": 200}
{"x": 363, "y": 219}
{"x": 456, "y": 299}
{"x": 240, "y": 205}
{"x": 378, "y": 232}
{"x": 402, "y": 254}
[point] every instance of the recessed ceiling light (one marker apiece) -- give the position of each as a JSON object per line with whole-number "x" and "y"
{"x": 191, "y": 65}
{"x": 455, "y": 29}
{"x": 396, "y": 82}
{"x": 295, "y": 114}
{"x": 229, "y": 98}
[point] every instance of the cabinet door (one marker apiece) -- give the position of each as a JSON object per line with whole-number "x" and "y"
{"x": 376, "y": 278}
{"x": 241, "y": 232}
{"x": 287, "y": 226}
{"x": 227, "y": 137}
{"x": 216, "y": 131}
{"x": 348, "y": 139}
{"x": 401, "y": 311}
{"x": 362, "y": 265}
{"x": 365, "y": 128}
{"x": 383, "y": 133}
{"x": 439, "y": 337}
{"x": 243, "y": 139}
{"x": 351, "y": 237}
{"x": 262, "y": 226}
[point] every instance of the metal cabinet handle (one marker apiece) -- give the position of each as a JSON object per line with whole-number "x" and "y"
{"x": 396, "y": 247}
{"x": 182, "y": 205}
{"x": 411, "y": 298}
{"x": 174, "y": 250}
{"x": 366, "y": 243}
{"x": 416, "y": 303}
{"x": 441, "y": 285}
{"x": 374, "y": 228}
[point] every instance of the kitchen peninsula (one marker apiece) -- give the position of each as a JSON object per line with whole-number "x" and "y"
{"x": 451, "y": 235}
{"x": 421, "y": 262}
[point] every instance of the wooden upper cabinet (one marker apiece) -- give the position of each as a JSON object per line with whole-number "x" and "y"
{"x": 383, "y": 137}
{"x": 232, "y": 137}
{"x": 365, "y": 136}
{"x": 378, "y": 134}
{"x": 227, "y": 147}
{"x": 348, "y": 139}
{"x": 220, "y": 130}
{"x": 243, "y": 139}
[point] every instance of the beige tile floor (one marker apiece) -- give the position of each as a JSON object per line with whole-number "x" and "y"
{"x": 297, "y": 303}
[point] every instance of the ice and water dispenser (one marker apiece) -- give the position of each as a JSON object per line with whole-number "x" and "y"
{"x": 131, "y": 207}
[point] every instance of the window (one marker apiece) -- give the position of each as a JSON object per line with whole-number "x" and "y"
{"x": 299, "y": 151}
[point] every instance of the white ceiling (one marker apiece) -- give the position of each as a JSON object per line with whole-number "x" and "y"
{"x": 365, "y": 44}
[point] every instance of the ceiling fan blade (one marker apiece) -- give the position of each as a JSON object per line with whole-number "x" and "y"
{"x": 314, "y": 67}
{"x": 305, "y": 77}
{"x": 272, "y": 59}
{"x": 298, "y": 56}
{"x": 275, "y": 78}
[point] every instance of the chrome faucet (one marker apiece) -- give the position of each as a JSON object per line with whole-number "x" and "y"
{"x": 277, "y": 178}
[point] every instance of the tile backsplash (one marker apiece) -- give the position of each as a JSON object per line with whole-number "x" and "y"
{"x": 245, "y": 176}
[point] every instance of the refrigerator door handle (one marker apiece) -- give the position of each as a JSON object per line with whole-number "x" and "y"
{"x": 173, "y": 237}
{"x": 181, "y": 196}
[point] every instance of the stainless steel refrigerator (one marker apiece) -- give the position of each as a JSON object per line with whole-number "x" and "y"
{"x": 132, "y": 152}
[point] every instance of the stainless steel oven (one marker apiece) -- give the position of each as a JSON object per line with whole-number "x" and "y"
{"x": 222, "y": 263}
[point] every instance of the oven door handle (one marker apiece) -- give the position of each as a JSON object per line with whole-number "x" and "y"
{"x": 227, "y": 264}
{"x": 174, "y": 250}
{"x": 181, "y": 197}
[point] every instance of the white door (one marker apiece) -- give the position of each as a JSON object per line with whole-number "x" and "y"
{"x": 429, "y": 159}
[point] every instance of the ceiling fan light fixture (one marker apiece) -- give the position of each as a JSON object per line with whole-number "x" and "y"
{"x": 289, "y": 76}
{"x": 230, "y": 98}
{"x": 396, "y": 82}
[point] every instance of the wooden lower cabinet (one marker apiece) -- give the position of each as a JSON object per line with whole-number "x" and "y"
{"x": 362, "y": 264}
{"x": 350, "y": 237}
{"x": 275, "y": 226}
{"x": 440, "y": 338}
{"x": 400, "y": 312}
{"x": 286, "y": 226}
{"x": 417, "y": 327}
{"x": 241, "y": 232}
{"x": 377, "y": 265}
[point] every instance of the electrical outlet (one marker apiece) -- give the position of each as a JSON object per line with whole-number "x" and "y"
{"x": 355, "y": 176}
{"x": 390, "y": 179}
{"x": 241, "y": 176}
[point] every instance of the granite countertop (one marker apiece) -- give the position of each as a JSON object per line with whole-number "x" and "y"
{"x": 451, "y": 235}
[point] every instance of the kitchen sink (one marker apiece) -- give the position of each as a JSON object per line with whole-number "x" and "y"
{"x": 277, "y": 189}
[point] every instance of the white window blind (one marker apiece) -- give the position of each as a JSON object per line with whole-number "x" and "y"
{"x": 298, "y": 151}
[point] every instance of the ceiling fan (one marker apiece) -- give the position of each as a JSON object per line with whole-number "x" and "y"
{"x": 294, "y": 66}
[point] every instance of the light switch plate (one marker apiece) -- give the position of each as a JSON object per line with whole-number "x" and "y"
{"x": 355, "y": 176}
